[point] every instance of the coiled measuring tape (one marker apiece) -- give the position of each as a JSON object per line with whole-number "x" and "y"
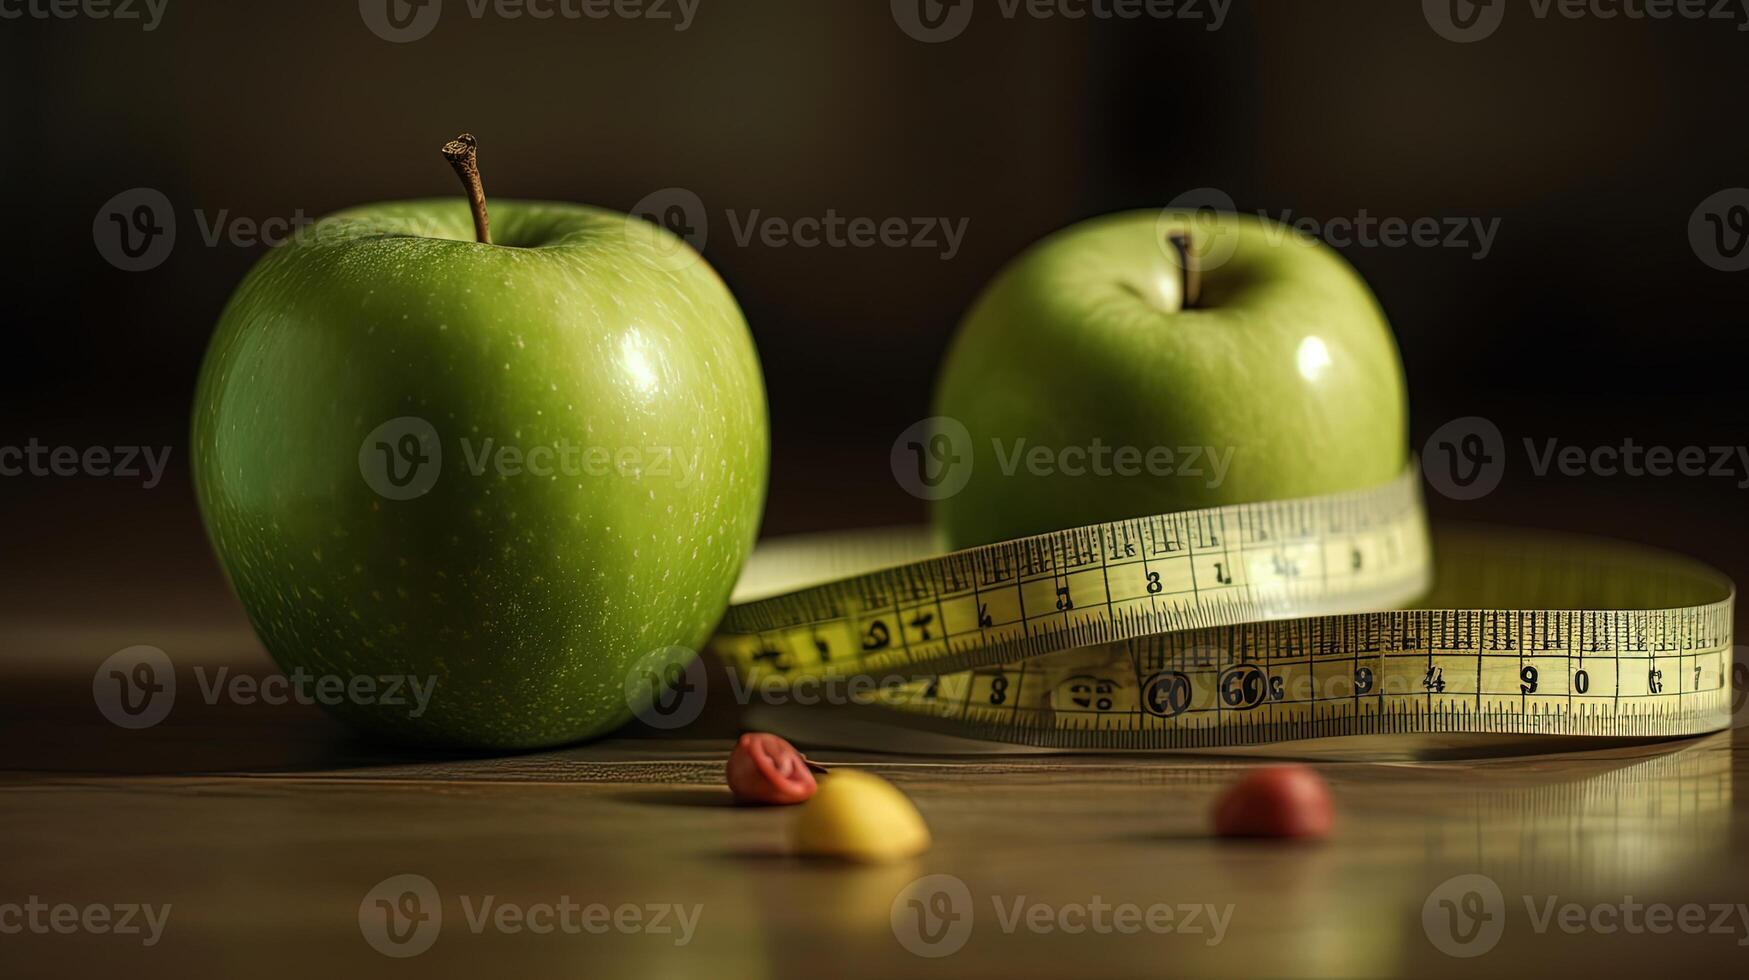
{"x": 1244, "y": 625}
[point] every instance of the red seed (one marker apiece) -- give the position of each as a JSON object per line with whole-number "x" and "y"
{"x": 1276, "y": 801}
{"x": 765, "y": 769}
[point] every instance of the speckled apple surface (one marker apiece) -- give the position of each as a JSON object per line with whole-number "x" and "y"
{"x": 525, "y": 595}
{"x": 1286, "y": 367}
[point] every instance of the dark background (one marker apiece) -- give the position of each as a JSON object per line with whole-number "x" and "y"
{"x": 1592, "y": 141}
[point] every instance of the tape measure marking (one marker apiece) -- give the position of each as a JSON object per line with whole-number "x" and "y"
{"x": 1252, "y": 624}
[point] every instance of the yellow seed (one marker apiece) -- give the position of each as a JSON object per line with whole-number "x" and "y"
{"x": 858, "y": 816}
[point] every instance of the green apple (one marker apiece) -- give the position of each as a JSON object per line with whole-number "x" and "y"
{"x": 1093, "y": 391}
{"x": 506, "y": 471}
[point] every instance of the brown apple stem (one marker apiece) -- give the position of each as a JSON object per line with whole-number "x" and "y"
{"x": 463, "y": 153}
{"x": 1189, "y": 268}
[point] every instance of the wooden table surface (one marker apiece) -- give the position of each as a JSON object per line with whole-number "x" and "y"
{"x": 265, "y": 828}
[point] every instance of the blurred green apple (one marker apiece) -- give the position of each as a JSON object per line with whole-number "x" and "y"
{"x": 1092, "y": 390}
{"x": 508, "y": 469}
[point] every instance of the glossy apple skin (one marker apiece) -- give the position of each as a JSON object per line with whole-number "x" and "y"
{"x": 1287, "y": 362}
{"x": 526, "y": 598}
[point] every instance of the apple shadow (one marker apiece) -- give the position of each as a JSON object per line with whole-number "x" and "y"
{"x": 759, "y": 855}
{"x": 699, "y": 797}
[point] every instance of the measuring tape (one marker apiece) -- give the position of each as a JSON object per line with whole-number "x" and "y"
{"x": 1243, "y": 625}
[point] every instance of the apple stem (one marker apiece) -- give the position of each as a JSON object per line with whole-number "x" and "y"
{"x": 463, "y": 153}
{"x": 1189, "y": 268}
